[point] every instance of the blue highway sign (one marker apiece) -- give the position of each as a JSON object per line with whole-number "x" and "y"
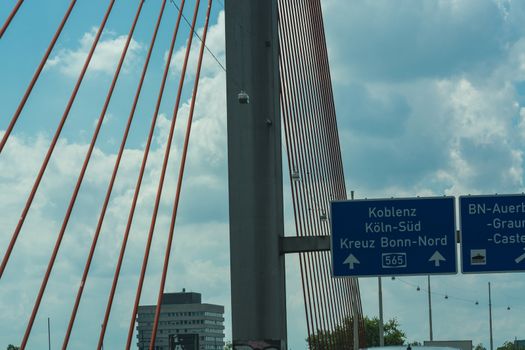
{"x": 391, "y": 237}
{"x": 492, "y": 233}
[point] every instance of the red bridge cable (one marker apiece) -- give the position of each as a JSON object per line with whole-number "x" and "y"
{"x": 139, "y": 183}
{"x": 285, "y": 108}
{"x": 112, "y": 181}
{"x": 52, "y": 146}
{"x": 354, "y": 296}
{"x": 179, "y": 181}
{"x": 310, "y": 274}
{"x": 57, "y": 245}
{"x": 319, "y": 92}
{"x": 317, "y": 19}
{"x": 328, "y": 92}
{"x": 316, "y": 160}
{"x": 84, "y": 169}
{"x": 35, "y": 76}
{"x": 292, "y": 168}
{"x": 313, "y": 92}
{"x": 298, "y": 185}
{"x": 298, "y": 223}
{"x": 346, "y": 284}
{"x": 353, "y": 282}
{"x": 319, "y": 282}
{"x": 309, "y": 179}
{"x": 161, "y": 180}
{"x": 10, "y": 17}
{"x": 341, "y": 195}
{"x": 313, "y": 138}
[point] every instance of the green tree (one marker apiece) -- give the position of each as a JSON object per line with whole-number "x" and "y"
{"x": 510, "y": 345}
{"x": 342, "y": 337}
{"x": 228, "y": 345}
{"x": 392, "y": 332}
{"x": 480, "y": 347}
{"x": 12, "y": 347}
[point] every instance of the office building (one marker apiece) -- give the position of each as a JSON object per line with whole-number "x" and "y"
{"x": 183, "y": 317}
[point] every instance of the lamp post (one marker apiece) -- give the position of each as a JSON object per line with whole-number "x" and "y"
{"x": 430, "y": 309}
{"x": 49, "y": 333}
{"x": 381, "y": 324}
{"x": 490, "y": 321}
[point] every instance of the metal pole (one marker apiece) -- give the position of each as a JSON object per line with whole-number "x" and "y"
{"x": 49, "y": 333}
{"x": 430, "y": 309}
{"x": 356, "y": 314}
{"x": 490, "y": 321}
{"x": 254, "y": 172}
{"x": 356, "y": 328}
{"x": 381, "y": 322}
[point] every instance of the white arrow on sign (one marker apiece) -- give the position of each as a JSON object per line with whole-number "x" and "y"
{"x": 437, "y": 258}
{"x": 520, "y": 258}
{"x": 351, "y": 260}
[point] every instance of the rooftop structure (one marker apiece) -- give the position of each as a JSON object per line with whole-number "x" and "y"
{"x": 183, "y": 319}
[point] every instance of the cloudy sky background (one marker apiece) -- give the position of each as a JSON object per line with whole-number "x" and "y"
{"x": 429, "y": 97}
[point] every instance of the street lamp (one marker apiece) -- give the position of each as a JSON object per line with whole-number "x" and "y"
{"x": 429, "y": 309}
{"x": 49, "y": 332}
{"x": 381, "y": 326}
{"x": 490, "y": 321}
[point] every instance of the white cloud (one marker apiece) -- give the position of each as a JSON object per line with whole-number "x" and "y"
{"x": 462, "y": 133}
{"x": 105, "y": 59}
{"x": 378, "y": 40}
{"x": 476, "y": 114}
{"x": 521, "y": 124}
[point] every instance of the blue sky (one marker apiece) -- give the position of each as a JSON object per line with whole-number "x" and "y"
{"x": 429, "y": 97}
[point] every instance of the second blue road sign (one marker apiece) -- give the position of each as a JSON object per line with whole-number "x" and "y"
{"x": 492, "y": 233}
{"x": 388, "y": 237}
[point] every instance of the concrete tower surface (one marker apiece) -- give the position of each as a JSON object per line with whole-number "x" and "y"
{"x": 255, "y": 173}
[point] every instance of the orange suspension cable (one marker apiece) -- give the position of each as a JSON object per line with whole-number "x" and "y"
{"x": 287, "y": 85}
{"x": 48, "y": 156}
{"x": 112, "y": 181}
{"x": 10, "y": 17}
{"x": 35, "y": 77}
{"x": 161, "y": 180}
{"x": 179, "y": 181}
{"x": 53, "y": 144}
{"x": 139, "y": 183}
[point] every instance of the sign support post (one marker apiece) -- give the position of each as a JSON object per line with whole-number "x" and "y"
{"x": 381, "y": 321}
{"x": 430, "y": 309}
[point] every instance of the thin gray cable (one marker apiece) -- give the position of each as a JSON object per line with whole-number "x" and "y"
{"x": 198, "y": 37}
{"x": 449, "y": 296}
{"x": 206, "y": 46}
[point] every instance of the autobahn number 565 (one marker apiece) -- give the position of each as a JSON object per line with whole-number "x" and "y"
{"x": 393, "y": 260}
